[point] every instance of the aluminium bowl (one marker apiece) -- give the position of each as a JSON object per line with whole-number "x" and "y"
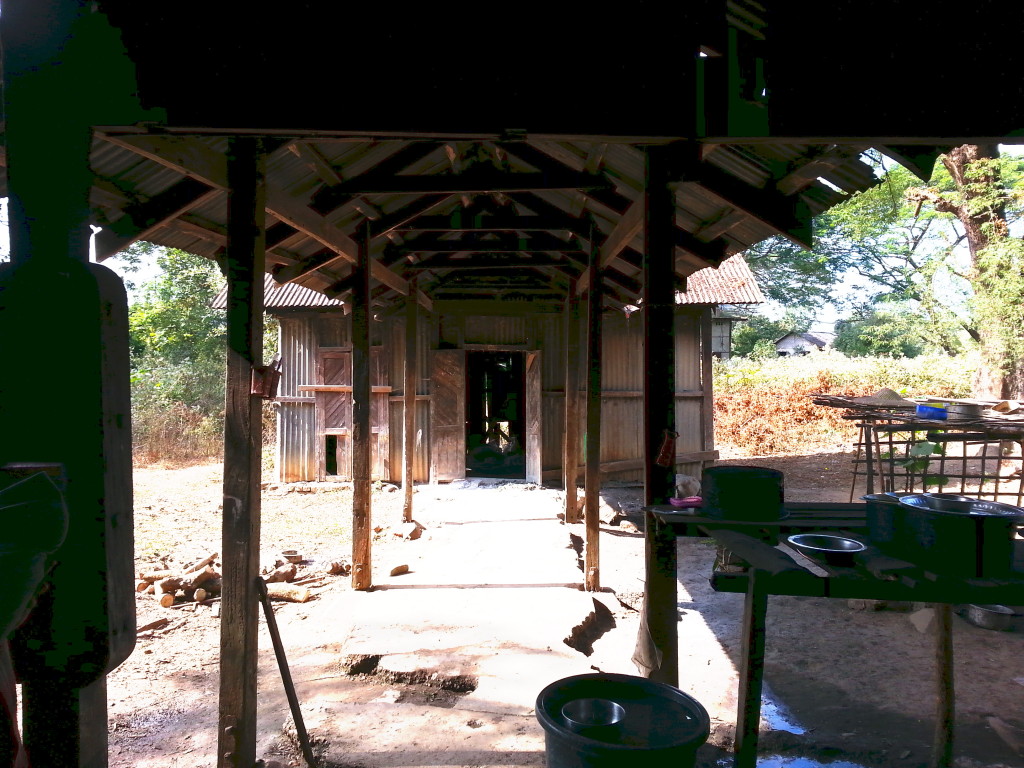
{"x": 830, "y": 547}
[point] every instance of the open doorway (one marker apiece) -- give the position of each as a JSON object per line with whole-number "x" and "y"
{"x": 495, "y": 415}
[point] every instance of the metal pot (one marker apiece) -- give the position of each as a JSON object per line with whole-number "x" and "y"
{"x": 997, "y": 617}
{"x": 964, "y": 410}
{"x": 961, "y": 536}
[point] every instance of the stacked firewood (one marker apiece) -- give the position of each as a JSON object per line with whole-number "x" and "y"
{"x": 199, "y": 581}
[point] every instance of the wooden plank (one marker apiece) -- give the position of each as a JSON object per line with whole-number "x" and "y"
{"x": 432, "y": 242}
{"x": 362, "y": 524}
{"x": 448, "y": 415}
{"x": 470, "y": 183}
{"x": 409, "y": 412}
{"x": 243, "y": 445}
{"x": 377, "y": 390}
{"x": 571, "y": 430}
{"x": 755, "y": 609}
{"x": 626, "y": 229}
{"x": 707, "y": 410}
{"x": 142, "y": 219}
{"x": 659, "y": 325}
{"x": 458, "y": 221}
{"x": 534, "y": 417}
{"x": 592, "y": 559}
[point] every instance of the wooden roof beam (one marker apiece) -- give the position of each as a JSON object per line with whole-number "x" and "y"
{"x": 144, "y": 218}
{"x": 316, "y": 162}
{"x": 200, "y": 162}
{"x": 496, "y": 223}
{"x": 397, "y": 219}
{"x": 399, "y": 159}
{"x": 488, "y": 261}
{"x": 806, "y": 173}
{"x": 626, "y": 229}
{"x": 432, "y": 243}
{"x": 788, "y": 216}
{"x": 471, "y": 182}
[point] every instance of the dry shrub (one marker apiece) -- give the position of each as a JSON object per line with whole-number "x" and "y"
{"x": 176, "y": 434}
{"x": 765, "y": 407}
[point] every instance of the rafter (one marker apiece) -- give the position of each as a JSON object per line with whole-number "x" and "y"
{"x": 142, "y": 219}
{"x": 499, "y": 243}
{"x": 807, "y": 172}
{"x": 458, "y": 221}
{"x": 316, "y": 162}
{"x": 200, "y": 162}
{"x": 476, "y": 181}
{"x": 398, "y": 160}
{"x": 488, "y": 261}
{"x": 628, "y": 227}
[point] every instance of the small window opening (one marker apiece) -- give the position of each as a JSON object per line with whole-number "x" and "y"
{"x": 331, "y": 454}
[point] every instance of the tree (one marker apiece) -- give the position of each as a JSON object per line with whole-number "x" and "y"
{"x": 985, "y": 197}
{"x": 944, "y": 249}
{"x": 177, "y": 339}
{"x": 759, "y": 328}
{"x": 880, "y": 331}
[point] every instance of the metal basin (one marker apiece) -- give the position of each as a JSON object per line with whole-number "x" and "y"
{"x": 833, "y": 549}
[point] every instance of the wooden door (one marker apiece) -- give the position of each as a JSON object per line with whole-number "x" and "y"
{"x": 534, "y": 418}
{"x": 334, "y": 411}
{"x": 448, "y": 414}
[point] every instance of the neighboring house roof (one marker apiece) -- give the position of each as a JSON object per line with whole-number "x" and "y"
{"x": 810, "y": 338}
{"x": 731, "y": 283}
{"x": 287, "y": 296}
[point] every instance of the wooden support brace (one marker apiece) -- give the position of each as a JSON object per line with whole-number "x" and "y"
{"x": 409, "y": 428}
{"x": 593, "y": 452}
{"x": 571, "y": 438}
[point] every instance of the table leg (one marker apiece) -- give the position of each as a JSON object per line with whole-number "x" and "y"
{"x": 945, "y": 696}
{"x": 661, "y": 614}
{"x": 869, "y": 463}
{"x": 748, "y": 719}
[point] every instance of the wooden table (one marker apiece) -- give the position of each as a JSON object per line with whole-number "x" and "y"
{"x": 773, "y": 572}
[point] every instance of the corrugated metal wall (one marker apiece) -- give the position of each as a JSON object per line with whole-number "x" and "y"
{"x": 622, "y": 409}
{"x": 296, "y": 422}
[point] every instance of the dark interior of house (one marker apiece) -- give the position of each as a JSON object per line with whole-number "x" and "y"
{"x": 495, "y": 443}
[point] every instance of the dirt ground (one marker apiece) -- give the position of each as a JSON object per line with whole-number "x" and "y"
{"x": 846, "y": 687}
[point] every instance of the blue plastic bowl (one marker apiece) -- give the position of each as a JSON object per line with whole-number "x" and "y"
{"x": 930, "y": 412}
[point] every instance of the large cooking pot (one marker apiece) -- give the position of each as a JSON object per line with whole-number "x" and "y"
{"x": 743, "y": 493}
{"x": 958, "y": 535}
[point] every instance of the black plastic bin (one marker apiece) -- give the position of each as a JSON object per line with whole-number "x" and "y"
{"x": 658, "y": 726}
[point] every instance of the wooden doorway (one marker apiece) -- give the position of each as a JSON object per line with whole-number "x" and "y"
{"x": 486, "y": 414}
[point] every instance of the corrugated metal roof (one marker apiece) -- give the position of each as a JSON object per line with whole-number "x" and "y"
{"x": 287, "y": 296}
{"x": 731, "y": 283}
{"x": 132, "y": 178}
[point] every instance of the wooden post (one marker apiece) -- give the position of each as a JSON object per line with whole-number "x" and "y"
{"x": 571, "y": 441}
{"x": 362, "y": 526}
{"x": 660, "y": 595}
{"x": 659, "y": 325}
{"x": 945, "y": 696}
{"x": 409, "y": 428}
{"x": 243, "y": 444}
{"x": 593, "y": 471}
{"x": 755, "y": 610}
{"x": 707, "y": 380}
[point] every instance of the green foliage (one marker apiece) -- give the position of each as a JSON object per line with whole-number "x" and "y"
{"x": 884, "y": 331}
{"x": 178, "y": 349}
{"x": 747, "y": 336}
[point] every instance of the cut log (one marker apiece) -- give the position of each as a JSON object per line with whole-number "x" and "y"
{"x": 141, "y": 585}
{"x": 152, "y": 576}
{"x": 151, "y": 590}
{"x": 202, "y": 563}
{"x": 166, "y": 599}
{"x": 158, "y": 624}
{"x": 285, "y": 573}
{"x": 170, "y": 584}
{"x": 199, "y": 595}
{"x": 198, "y": 577}
{"x": 288, "y": 593}
{"x": 338, "y": 568}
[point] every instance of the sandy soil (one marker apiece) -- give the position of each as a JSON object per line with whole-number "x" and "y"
{"x": 869, "y": 703}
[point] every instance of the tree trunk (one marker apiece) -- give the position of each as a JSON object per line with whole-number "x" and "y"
{"x": 982, "y": 211}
